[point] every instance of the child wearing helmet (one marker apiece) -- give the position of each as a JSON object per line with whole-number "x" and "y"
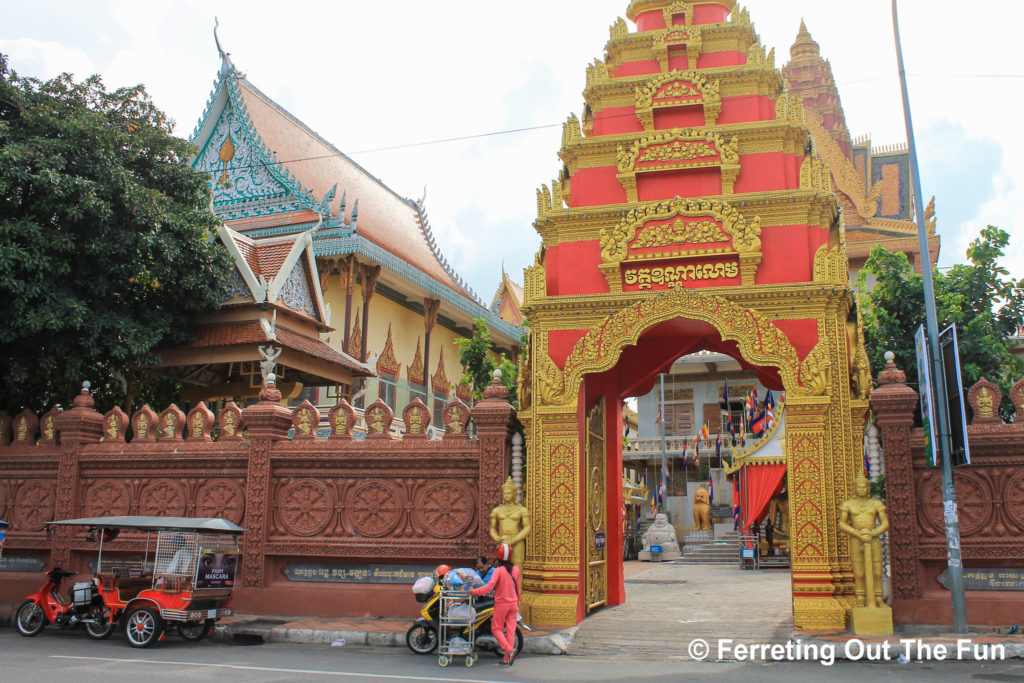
{"x": 506, "y": 583}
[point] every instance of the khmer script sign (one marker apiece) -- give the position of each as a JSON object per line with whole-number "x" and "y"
{"x": 988, "y": 579}
{"x": 356, "y": 573}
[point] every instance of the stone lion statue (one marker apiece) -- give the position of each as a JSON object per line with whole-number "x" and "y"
{"x": 701, "y": 510}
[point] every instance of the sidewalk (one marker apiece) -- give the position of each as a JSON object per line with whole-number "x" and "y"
{"x": 668, "y": 606}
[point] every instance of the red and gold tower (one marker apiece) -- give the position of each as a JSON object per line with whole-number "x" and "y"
{"x": 690, "y": 213}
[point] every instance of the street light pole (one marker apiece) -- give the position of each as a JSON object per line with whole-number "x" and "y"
{"x": 938, "y": 397}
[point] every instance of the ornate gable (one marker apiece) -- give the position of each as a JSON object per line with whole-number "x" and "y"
{"x": 247, "y": 180}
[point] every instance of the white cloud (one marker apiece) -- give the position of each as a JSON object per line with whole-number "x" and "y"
{"x": 45, "y": 58}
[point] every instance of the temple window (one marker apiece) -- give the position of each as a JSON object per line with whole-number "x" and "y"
{"x": 388, "y": 388}
{"x": 440, "y": 401}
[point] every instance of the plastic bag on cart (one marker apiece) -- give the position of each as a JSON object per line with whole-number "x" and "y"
{"x": 459, "y": 646}
{"x": 424, "y": 584}
{"x": 462, "y": 577}
{"x": 462, "y": 612}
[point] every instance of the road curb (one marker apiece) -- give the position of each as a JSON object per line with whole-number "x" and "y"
{"x": 273, "y": 631}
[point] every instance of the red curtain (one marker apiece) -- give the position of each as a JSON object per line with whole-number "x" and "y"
{"x": 760, "y": 482}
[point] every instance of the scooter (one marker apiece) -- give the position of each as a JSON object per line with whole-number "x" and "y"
{"x": 48, "y": 606}
{"x": 421, "y": 637}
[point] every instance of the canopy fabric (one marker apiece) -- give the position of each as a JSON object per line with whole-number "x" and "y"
{"x": 759, "y": 485}
{"x": 155, "y": 523}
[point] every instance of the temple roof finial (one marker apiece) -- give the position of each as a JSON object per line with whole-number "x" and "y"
{"x": 804, "y": 45}
{"x": 225, "y": 58}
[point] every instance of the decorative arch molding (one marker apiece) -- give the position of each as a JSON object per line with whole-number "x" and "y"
{"x": 678, "y": 89}
{"x": 678, "y": 149}
{"x": 759, "y": 341}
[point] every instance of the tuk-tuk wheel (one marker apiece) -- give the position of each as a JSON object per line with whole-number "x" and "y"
{"x": 443, "y": 660}
{"x": 470, "y": 660}
{"x": 195, "y": 630}
{"x": 143, "y": 627}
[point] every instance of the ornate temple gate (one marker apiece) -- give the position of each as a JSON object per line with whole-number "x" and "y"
{"x": 665, "y": 233}
{"x": 596, "y": 515}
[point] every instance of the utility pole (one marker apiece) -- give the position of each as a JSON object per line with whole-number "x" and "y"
{"x": 938, "y": 397}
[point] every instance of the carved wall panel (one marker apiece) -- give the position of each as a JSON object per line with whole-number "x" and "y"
{"x": 304, "y": 507}
{"x": 34, "y": 504}
{"x": 107, "y": 497}
{"x": 162, "y": 497}
{"x": 221, "y": 498}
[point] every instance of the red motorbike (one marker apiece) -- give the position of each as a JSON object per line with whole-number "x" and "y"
{"x": 48, "y": 606}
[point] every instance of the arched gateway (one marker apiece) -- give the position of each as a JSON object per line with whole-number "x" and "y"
{"x": 690, "y": 213}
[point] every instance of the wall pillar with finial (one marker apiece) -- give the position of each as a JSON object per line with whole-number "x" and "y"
{"x": 81, "y": 425}
{"x": 893, "y": 403}
{"x": 266, "y": 422}
{"x": 494, "y": 417}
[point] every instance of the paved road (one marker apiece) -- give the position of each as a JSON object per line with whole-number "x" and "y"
{"x": 56, "y": 656}
{"x": 668, "y": 605}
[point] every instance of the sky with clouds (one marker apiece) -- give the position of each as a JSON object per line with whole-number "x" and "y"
{"x": 369, "y": 76}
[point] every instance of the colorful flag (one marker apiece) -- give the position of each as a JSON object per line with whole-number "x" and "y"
{"x": 867, "y": 461}
{"x": 711, "y": 490}
{"x": 718, "y": 444}
{"x": 725, "y": 395}
{"x": 735, "y": 516}
{"x": 769, "y": 409}
{"x": 657, "y": 420}
{"x": 696, "y": 454}
{"x": 757, "y": 425}
{"x": 685, "y": 446}
{"x": 704, "y": 432}
{"x": 751, "y": 407}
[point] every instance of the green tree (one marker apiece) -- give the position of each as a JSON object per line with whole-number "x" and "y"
{"x": 478, "y": 363}
{"x": 106, "y": 243}
{"x": 986, "y": 304}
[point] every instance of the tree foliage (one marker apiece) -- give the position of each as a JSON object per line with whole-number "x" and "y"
{"x": 986, "y": 304}
{"x": 478, "y": 363}
{"x": 106, "y": 249}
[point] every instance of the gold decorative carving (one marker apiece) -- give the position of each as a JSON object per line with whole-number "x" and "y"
{"x": 848, "y": 180}
{"x": 756, "y": 57}
{"x": 929, "y": 216}
{"x": 550, "y": 381}
{"x": 355, "y": 341}
{"x": 814, "y": 175}
{"x": 618, "y": 30}
{"x": 814, "y": 371}
{"x": 534, "y": 281}
{"x": 618, "y": 244}
{"x": 597, "y": 73}
{"x": 572, "y": 134}
{"x": 440, "y": 381}
{"x": 415, "y": 371}
{"x": 671, "y": 36}
{"x": 678, "y": 88}
{"x": 830, "y": 265}
{"x": 387, "y": 361}
{"x": 760, "y": 342}
{"x": 679, "y": 148}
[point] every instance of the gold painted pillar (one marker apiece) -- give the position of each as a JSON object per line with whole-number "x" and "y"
{"x": 552, "y": 572}
{"x": 816, "y": 471}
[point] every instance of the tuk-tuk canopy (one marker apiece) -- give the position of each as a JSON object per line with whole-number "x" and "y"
{"x": 144, "y": 523}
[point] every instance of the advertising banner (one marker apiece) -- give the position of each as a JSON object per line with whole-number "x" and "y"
{"x": 216, "y": 568}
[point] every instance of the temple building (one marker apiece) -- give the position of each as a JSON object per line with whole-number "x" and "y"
{"x": 321, "y": 242}
{"x": 872, "y": 185}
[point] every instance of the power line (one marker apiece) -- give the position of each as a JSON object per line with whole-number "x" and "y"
{"x": 527, "y": 129}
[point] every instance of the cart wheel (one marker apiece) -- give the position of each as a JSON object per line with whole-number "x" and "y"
{"x": 104, "y": 625}
{"x": 443, "y": 660}
{"x": 144, "y": 627}
{"x": 470, "y": 660}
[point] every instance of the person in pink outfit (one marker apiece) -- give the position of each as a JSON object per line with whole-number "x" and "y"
{"x": 507, "y": 586}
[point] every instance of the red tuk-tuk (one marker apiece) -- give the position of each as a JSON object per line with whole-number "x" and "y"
{"x": 185, "y": 578}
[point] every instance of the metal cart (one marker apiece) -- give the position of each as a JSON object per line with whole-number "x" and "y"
{"x": 459, "y": 625}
